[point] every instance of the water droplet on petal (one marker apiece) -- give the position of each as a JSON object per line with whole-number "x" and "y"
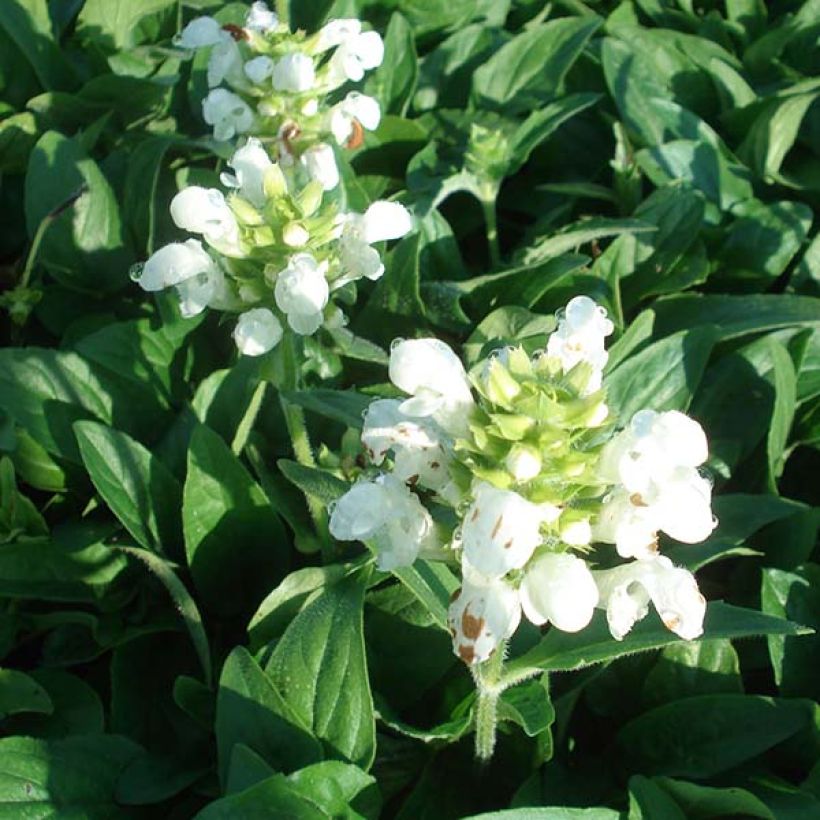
{"x": 135, "y": 271}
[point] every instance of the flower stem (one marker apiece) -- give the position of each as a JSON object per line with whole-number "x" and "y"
{"x": 488, "y": 206}
{"x": 283, "y": 11}
{"x": 487, "y": 678}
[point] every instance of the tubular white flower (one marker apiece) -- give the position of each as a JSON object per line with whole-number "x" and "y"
{"x": 388, "y": 516}
{"x": 422, "y": 451}
{"x": 652, "y": 447}
{"x": 173, "y": 264}
{"x": 355, "y": 55}
{"x": 559, "y": 588}
{"x": 294, "y": 72}
{"x": 227, "y": 113}
{"x": 626, "y": 591}
{"x": 501, "y": 530}
{"x": 336, "y": 32}
{"x": 484, "y": 613}
{"x": 257, "y": 331}
{"x": 626, "y": 521}
{"x": 433, "y": 375}
{"x": 250, "y": 163}
{"x": 580, "y": 338}
{"x": 200, "y": 33}
{"x": 320, "y": 164}
{"x": 261, "y": 18}
{"x": 302, "y": 292}
{"x": 354, "y": 107}
{"x": 225, "y": 63}
{"x": 204, "y": 211}
{"x": 259, "y": 69}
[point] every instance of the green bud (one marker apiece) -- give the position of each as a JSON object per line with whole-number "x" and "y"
{"x": 245, "y": 212}
{"x": 273, "y": 182}
{"x": 310, "y": 198}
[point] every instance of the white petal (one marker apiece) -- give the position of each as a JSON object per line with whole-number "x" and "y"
{"x": 559, "y": 588}
{"x": 386, "y": 220}
{"x": 364, "y": 108}
{"x": 200, "y": 32}
{"x": 250, "y": 163}
{"x": 227, "y": 112}
{"x": 261, "y": 18}
{"x": 335, "y": 32}
{"x": 259, "y": 69}
{"x": 294, "y": 72}
{"x": 173, "y": 264}
{"x": 320, "y": 164}
{"x": 369, "y": 49}
{"x": 257, "y": 331}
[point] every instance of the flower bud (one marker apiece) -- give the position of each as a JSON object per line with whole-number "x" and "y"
{"x": 559, "y": 588}
{"x": 523, "y": 462}
{"x": 295, "y": 235}
{"x": 257, "y": 331}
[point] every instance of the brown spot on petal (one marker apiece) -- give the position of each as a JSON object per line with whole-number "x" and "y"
{"x": 508, "y": 544}
{"x": 497, "y": 526}
{"x": 290, "y": 132}
{"x": 471, "y": 626}
{"x": 636, "y": 500}
{"x": 356, "y": 137}
{"x": 413, "y": 480}
{"x": 237, "y": 32}
{"x": 434, "y": 465}
{"x": 671, "y": 621}
{"x": 466, "y": 653}
{"x": 653, "y": 546}
{"x": 455, "y": 595}
{"x": 474, "y": 515}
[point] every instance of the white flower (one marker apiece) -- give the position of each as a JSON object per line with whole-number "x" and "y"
{"x": 173, "y": 264}
{"x": 294, "y": 72}
{"x": 302, "y": 293}
{"x": 335, "y": 32}
{"x": 624, "y": 520}
{"x": 501, "y": 530}
{"x": 199, "y": 33}
{"x": 580, "y": 338}
{"x": 433, "y": 375}
{"x": 208, "y": 289}
{"x": 421, "y": 449}
{"x": 225, "y": 63}
{"x": 625, "y": 593}
{"x": 250, "y": 162}
{"x": 227, "y": 113}
{"x": 204, "y": 211}
{"x": 485, "y": 613}
{"x": 259, "y": 69}
{"x": 380, "y": 222}
{"x": 387, "y": 515}
{"x": 320, "y": 164}
{"x": 354, "y": 107}
{"x": 559, "y": 588}
{"x": 652, "y": 447}
{"x": 257, "y": 331}
{"x": 356, "y": 54}
{"x": 261, "y": 18}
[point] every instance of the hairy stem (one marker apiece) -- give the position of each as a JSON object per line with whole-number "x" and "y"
{"x": 488, "y": 205}
{"x": 487, "y": 678}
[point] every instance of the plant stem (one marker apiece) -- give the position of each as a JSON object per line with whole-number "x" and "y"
{"x": 283, "y": 11}
{"x": 243, "y": 430}
{"x": 488, "y": 206}
{"x": 487, "y": 678}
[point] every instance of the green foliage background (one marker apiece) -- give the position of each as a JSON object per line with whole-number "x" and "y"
{"x": 173, "y": 640}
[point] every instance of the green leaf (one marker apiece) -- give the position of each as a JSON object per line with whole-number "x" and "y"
{"x": 115, "y": 25}
{"x": 78, "y": 709}
{"x": 662, "y": 376}
{"x": 647, "y": 800}
{"x": 313, "y": 481}
{"x": 550, "y": 813}
{"x": 250, "y": 710}
{"x": 529, "y": 69}
{"x": 433, "y": 584}
{"x": 394, "y": 82}
{"x": 183, "y": 603}
{"x": 504, "y": 326}
{"x": 794, "y": 595}
{"x": 528, "y": 705}
{"x": 346, "y": 406}
{"x": 701, "y": 802}
{"x": 705, "y": 735}
{"x": 28, "y": 24}
{"x": 224, "y": 508}
{"x": 319, "y": 667}
{"x": 20, "y": 693}
{"x": 84, "y": 244}
{"x": 785, "y": 399}
{"x": 137, "y": 487}
{"x": 563, "y": 652}
{"x": 74, "y": 777}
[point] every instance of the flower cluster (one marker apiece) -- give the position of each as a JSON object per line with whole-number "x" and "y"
{"x": 275, "y": 248}
{"x": 525, "y": 451}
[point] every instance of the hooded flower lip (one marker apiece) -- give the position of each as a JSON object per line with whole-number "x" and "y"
{"x": 559, "y": 588}
{"x": 355, "y": 107}
{"x": 302, "y": 293}
{"x": 625, "y": 593}
{"x": 228, "y": 113}
{"x": 356, "y": 54}
{"x": 501, "y": 530}
{"x": 205, "y": 211}
{"x": 173, "y": 264}
{"x": 387, "y": 515}
{"x": 484, "y": 613}
{"x": 382, "y": 221}
{"x": 261, "y": 18}
{"x": 200, "y": 33}
{"x": 250, "y": 162}
{"x": 433, "y": 375}
{"x": 294, "y": 73}
{"x": 257, "y": 331}
{"x": 320, "y": 164}
{"x": 259, "y": 69}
